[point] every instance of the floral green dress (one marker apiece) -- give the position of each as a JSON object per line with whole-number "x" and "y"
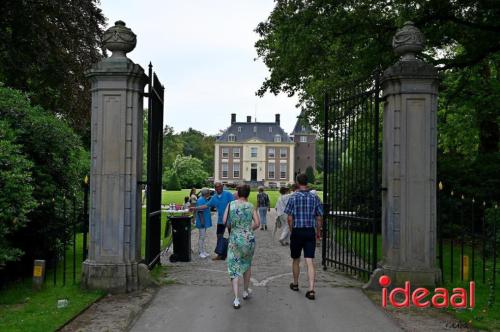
{"x": 242, "y": 239}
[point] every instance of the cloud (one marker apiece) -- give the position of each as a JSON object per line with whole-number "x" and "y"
{"x": 203, "y": 51}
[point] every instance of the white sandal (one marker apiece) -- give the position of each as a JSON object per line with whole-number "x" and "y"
{"x": 236, "y": 303}
{"x": 246, "y": 294}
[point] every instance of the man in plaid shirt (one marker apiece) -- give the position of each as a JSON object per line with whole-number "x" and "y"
{"x": 305, "y": 213}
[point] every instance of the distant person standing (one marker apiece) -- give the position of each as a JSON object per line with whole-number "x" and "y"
{"x": 305, "y": 213}
{"x": 263, "y": 207}
{"x": 242, "y": 218}
{"x": 203, "y": 222}
{"x": 282, "y": 216}
{"x": 219, "y": 201}
{"x": 192, "y": 196}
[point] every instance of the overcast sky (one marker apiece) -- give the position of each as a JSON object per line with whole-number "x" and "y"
{"x": 203, "y": 52}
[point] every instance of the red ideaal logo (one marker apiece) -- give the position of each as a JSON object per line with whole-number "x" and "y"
{"x": 440, "y": 297}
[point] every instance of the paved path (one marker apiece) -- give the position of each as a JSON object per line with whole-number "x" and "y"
{"x": 201, "y": 297}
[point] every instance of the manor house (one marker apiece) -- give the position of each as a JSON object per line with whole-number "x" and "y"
{"x": 262, "y": 153}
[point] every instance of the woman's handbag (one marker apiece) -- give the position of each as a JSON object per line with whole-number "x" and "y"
{"x": 228, "y": 220}
{"x": 221, "y": 247}
{"x": 278, "y": 222}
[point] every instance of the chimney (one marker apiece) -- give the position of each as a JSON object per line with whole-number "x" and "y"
{"x": 233, "y": 118}
{"x": 278, "y": 119}
{"x": 249, "y": 118}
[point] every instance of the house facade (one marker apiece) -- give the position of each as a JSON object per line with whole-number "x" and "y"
{"x": 258, "y": 153}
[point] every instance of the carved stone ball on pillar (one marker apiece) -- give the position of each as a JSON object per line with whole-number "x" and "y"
{"x": 407, "y": 41}
{"x": 119, "y": 39}
{"x": 409, "y": 156}
{"x": 117, "y": 87}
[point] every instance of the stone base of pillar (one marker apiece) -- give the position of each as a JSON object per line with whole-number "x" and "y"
{"x": 417, "y": 277}
{"x": 114, "y": 278}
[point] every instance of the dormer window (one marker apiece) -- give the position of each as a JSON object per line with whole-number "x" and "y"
{"x": 231, "y": 138}
{"x": 277, "y": 139}
{"x": 239, "y": 129}
{"x": 270, "y": 129}
{"x": 303, "y": 128}
{"x": 254, "y": 129}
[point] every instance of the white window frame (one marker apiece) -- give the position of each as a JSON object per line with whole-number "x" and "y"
{"x": 269, "y": 170}
{"x": 277, "y": 138}
{"x": 236, "y": 152}
{"x": 283, "y": 173}
{"x": 303, "y": 139}
{"x": 231, "y": 138}
{"x": 252, "y": 155}
{"x": 303, "y": 128}
{"x": 269, "y": 153}
{"x": 226, "y": 170}
{"x": 254, "y": 129}
{"x": 225, "y": 154}
{"x": 236, "y": 175}
{"x": 270, "y": 129}
{"x": 285, "y": 154}
{"x": 239, "y": 129}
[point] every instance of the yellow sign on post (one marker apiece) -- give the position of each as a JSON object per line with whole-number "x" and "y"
{"x": 465, "y": 264}
{"x": 37, "y": 271}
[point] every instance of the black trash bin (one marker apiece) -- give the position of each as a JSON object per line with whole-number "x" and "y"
{"x": 181, "y": 238}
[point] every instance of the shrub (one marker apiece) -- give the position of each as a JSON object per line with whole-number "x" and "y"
{"x": 59, "y": 163}
{"x": 15, "y": 192}
{"x": 310, "y": 174}
{"x": 173, "y": 182}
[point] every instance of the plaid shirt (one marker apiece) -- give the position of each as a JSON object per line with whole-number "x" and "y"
{"x": 304, "y": 207}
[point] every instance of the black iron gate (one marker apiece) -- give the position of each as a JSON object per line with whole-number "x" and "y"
{"x": 153, "y": 189}
{"x": 351, "y": 178}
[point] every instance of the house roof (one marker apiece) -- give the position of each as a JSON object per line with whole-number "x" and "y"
{"x": 302, "y": 125}
{"x": 262, "y": 133}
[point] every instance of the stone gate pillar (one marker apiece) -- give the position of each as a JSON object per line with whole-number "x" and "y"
{"x": 116, "y": 153}
{"x": 410, "y": 89}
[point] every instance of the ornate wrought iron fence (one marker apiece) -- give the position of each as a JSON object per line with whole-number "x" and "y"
{"x": 351, "y": 178}
{"x": 155, "y": 148}
{"x": 467, "y": 237}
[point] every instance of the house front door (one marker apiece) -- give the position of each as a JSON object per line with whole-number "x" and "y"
{"x": 253, "y": 174}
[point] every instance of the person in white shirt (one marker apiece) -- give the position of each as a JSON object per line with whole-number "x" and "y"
{"x": 282, "y": 217}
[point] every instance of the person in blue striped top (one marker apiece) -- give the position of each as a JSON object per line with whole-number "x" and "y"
{"x": 305, "y": 217}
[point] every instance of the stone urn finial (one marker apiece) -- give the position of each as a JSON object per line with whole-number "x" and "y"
{"x": 408, "y": 41}
{"x": 119, "y": 39}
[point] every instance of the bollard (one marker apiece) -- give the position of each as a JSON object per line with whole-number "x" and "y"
{"x": 38, "y": 273}
{"x": 465, "y": 261}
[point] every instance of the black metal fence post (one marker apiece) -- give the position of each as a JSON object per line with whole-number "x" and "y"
{"x": 440, "y": 229}
{"x": 495, "y": 217}
{"x": 85, "y": 225}
{"x": 65, "y": 238}
{"x": 473, "y": 240}
{"x": 326, "y": 194}
{"x": 74, "y": 220}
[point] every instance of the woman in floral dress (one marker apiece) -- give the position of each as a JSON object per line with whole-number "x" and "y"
{"x": 242, "y": 219}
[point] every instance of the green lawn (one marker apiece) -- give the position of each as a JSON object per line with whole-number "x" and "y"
{"x": 483, "y": 316}
{"x": 22, "y": 309}
{"x": 178, "y": 196}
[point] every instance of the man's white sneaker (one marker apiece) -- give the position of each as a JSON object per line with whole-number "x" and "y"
{"x": 202, "y": 255}
{"x": 247, "y": 293}
{"x": 206, "y": 254}
{"x": 236, "y": 303}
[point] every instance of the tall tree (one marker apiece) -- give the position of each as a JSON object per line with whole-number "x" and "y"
{"x": 314, "y": 46}
{"x": 45, "y": 48}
